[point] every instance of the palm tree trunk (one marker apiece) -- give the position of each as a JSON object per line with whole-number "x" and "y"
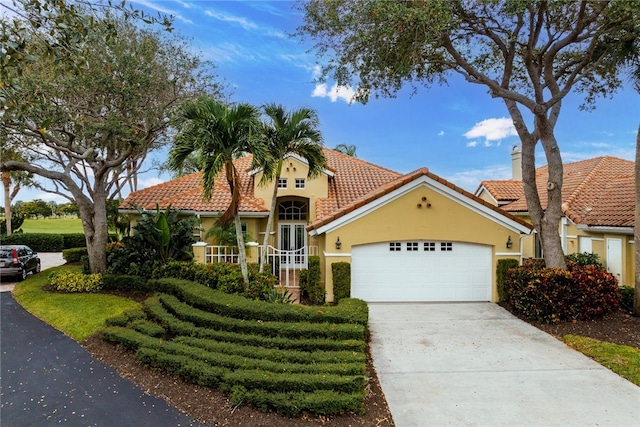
{"x": 272, "y": 213}
{"x": 242, "y": 254}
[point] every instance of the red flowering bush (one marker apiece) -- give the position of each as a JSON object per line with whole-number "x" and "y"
{"x": 553, "y": 295}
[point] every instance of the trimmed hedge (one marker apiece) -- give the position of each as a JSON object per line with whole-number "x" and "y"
{"x": 68, "y": 281}
{"x": 286, "y": 329}
{"x": 285, "y": 356}
{"x": 310, "y": 285}
{"x": 39, "y": 242}
{"x": 213, "y": 301}
{"x": 341, "y": 280}
{"x": 74, "y": 240}
{"x": 553, "y": 295}
{"x": 179, "y": 327}
{"x": 74, "y": 254}
{"x": 116, "y": 282}
{"x": 501, "y": 276}
{"x": 626, "y": 297}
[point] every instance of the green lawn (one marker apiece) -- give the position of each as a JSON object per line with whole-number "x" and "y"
{"x": 53, "y": 225}
{"x": 78, "y": 315}
{"x": 621, "y": 359}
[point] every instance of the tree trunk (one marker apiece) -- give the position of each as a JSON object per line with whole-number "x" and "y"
{"x": 242, "y": 254}
{"x": 94, "y": 223}
{"x": 6, "y": 182}
{"x": 636, "y": 231}
{"x": 272, "y": 212}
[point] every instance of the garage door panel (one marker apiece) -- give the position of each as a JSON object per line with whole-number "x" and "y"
{"x": 460, "y": 274}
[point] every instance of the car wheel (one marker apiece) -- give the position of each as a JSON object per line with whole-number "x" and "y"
{"x": 38, "y": 268}
{"x": 23, "y": 274}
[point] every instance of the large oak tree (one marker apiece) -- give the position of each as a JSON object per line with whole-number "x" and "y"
{"x": 88, "y": 107}
{"x": 530, "y": 54}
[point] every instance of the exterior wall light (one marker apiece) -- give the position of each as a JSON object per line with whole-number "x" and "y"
{"x": 509, "y": 243}
{"x": 338, "y": 243}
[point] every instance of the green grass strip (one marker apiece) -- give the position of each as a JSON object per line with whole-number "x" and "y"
{"x": 179, "y": 327}
{"x": 78, "y": 315}
{"x": 621, "y": 359}
{"x": 203, "y": 318}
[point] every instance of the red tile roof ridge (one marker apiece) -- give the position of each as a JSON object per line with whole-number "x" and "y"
{"x": 348, "y": 157}
{"x": 586, "y": 182}
{"x": 399, "y": 182}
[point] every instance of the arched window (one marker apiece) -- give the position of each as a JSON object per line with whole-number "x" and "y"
{"x": 292, "y": 210}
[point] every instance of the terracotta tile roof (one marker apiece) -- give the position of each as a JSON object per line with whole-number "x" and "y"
{"x": 504, "y": 191}
{"x": 595, "y": 192}
{"x": 353, "y": 178}
{"x": 185, "y": 193}
{"x": 397, "y": 183}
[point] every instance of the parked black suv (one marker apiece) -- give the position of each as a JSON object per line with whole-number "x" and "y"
{"x": 18, "y": 260}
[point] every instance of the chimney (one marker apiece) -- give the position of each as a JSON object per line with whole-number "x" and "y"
{"x": 516, "y": 163}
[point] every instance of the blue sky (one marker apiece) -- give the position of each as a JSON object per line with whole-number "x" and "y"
{"x": 458, "y": 131}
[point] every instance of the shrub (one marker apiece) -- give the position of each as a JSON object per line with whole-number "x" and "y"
{"x": 74, "y": 254}
{"x": 553, "y": 295}
{"x": 311, "y": 289}
{"x": 341, "y": 280}
{"x": 67, "y": 281}
{"x": 584, "y": 259}
{"x": 347, "y": 311}
{"x": 626, "y": 297}
{"x": 148, "y": 328}
{"x": 16, "y": 222}
{"x": 121, "y": 282}
{"x": 501, "y": 276}
{"x": 75, "y": 240}
{"x": 39, "y": 242}
{"x": 278, "y": 296}
{"x": 536, "y": 263}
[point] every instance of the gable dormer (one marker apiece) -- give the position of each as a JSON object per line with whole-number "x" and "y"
{"x": 294, "y": 182}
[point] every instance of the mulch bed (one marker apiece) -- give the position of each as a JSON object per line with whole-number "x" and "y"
{"x": 212, "y": 407}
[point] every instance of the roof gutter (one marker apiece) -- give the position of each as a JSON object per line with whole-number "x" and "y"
{"x": 605, "y": 229}
{"x": 204, "y": 214}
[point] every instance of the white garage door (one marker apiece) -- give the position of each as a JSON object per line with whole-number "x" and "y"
{"x": 421, "y": 271}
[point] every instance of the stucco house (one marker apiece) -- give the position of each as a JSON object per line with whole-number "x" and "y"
{"x": 413, "y": 237}
{"x": 598, "y": 198}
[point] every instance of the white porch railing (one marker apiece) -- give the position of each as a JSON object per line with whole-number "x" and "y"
{"x": 216, "y": 254}
{"x": 285, "y": 265}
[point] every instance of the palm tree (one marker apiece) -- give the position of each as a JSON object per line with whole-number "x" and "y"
{"x": 294, "y": 132}
{"x": 218, "y": 133}
{"x": 349, "y": 150}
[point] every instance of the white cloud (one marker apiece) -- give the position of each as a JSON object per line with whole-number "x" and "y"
{"x": 470, "y": 179}
{"x": 163, "y": 10}
{"x": 492, "y": 130}
{"x": 346, "y": 93}
{"x": 472, "y": 143}
{"x": 441, "y": 133}
{"x": 149, "y": 182}
{"x": 243, "y": 22}
{"x": 487, "y": 143}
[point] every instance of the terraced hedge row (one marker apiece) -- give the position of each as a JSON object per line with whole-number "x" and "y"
{"x": 349, "y": 310}
{"x": 291, "y": 366}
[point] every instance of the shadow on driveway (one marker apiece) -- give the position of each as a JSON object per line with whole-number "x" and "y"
{"x": 48, "y": 378}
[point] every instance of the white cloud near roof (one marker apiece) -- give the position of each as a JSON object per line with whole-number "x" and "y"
{"x": 149, "y": 182}
{"x": 471, "y": 179}
{"x": 336, "y": 92}
{"x": 492, "y": 130}
{"x": 243, "y": 22}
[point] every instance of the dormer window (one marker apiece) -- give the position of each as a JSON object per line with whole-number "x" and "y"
{"x": 300, "y": 183}
{"x": 282, "y": 183}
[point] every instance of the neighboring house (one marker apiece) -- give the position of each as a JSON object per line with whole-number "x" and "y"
{"x": 598, "y": 198}
{"x": 413, "y": 237}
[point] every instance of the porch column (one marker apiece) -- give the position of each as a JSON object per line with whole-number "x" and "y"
{"x": 199, "y": 250}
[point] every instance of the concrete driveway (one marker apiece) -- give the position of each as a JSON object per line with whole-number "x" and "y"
{"x": 474, "y": 364}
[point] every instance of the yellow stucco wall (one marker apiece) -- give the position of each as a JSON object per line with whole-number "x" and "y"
{"x": 402, "y": 219}
{"x": 315, "y": 188}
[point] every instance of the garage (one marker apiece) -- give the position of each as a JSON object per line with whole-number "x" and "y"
{"x": 421, "y": 270}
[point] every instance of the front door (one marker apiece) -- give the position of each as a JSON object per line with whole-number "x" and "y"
{"x": 293, "y": 240}
{"x": 614, "y": 258}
